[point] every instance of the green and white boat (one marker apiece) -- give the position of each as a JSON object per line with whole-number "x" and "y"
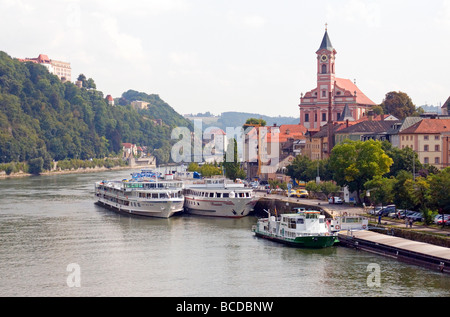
{"x": 302, "y": 229}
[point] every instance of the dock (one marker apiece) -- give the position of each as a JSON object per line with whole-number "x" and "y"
{"x": 424, "y": 254}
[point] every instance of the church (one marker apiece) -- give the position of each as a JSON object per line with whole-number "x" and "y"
{"x": 332, "y": 95}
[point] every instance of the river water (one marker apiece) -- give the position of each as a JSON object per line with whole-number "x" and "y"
{"x": 54, "y": 241}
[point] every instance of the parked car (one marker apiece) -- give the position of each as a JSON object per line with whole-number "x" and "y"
{"x": 438, "y": 219}
{"x": 299, "y": 193}
{"x": 336, "y": 200}
{"x": 416, "y": 216}
{"x": 384, "y": 212}
{"x": 375, "y": 211}
{"x": 402, "y": 213}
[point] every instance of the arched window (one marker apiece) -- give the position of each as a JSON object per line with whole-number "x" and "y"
{"x": 324, "y": 69}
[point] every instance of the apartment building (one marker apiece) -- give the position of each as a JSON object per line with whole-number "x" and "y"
{"x": 429, "y": 138}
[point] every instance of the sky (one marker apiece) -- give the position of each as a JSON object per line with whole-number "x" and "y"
{"x": 253, "y": 56}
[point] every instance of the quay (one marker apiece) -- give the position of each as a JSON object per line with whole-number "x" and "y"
{"x": 423, "y": 254}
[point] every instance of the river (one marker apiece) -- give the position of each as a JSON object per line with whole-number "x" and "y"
{"x": 54, "y": 241}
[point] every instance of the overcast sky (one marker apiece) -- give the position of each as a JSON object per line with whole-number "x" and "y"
{"x": 247, "y": 55}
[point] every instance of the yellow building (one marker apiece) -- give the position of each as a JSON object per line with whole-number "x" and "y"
{"x": 428, "y": 139}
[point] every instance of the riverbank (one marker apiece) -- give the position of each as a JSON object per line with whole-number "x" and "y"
{"x": 96, "y": 169}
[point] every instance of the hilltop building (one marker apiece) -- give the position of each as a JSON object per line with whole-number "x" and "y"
{"x": 327, "y": 101}
{"x": 58, "y": 68}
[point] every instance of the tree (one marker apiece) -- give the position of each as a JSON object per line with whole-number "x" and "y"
{"x": 208, "y": 170}
{"x": 233, "y": 169}
{"x": 405, "y": 159}
{"x": 439, "y": 196}
{"x": 381, "y": 189}
{"x": 313, "y": 187}
{"x": 398, "y": 104}
{"x": 329, "y": 187}
{"x": 304, "y": 169}
{"x": 355, "y": 162}
{"x": 403, "y": 189}
{"x": 253, "y": 122}
{"x": 35, "y": 165}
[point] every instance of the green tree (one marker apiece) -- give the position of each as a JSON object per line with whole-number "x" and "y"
{"x": 253, "y": 122}
{"x": 193, "y": 167}
{"x": 381, "y": 189}
{"x": 35, "y": 165}
{"x": 398, "y": 104}
{"x": 313, "y": 187}
{"x": 355, "y": 162}
{"x": 329, "y": 187}
{"x": 439, "y": 196}
{"x": 208, "y": 170}
{"x": 405, "y": 159}
{"x": 403, "y": 189}
{"x": 232, "y": 168}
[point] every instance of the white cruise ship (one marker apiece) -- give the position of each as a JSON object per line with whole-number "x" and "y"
{"x": 218, "y": 198}
{"x": 142, "y": 195}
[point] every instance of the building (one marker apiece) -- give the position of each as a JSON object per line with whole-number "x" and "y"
{"x": 332, "y": 94}
{"x": 445, "y": 109}
{"x": 216, "y": 145}
{"x": 58, "y": 68}
{"x": 129, "y": 150}
{"x": 139, "y": 104}
{"x": 366, "y": 130}
{"x": 429, "y": 138}
{"x": 110, "y": 100}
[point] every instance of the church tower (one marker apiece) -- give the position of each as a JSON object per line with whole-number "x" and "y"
{"x": 327, "y": 101}
{"x": 326, "y": 55}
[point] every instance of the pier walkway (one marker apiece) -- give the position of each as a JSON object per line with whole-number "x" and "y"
{"x": 420, "y": 253}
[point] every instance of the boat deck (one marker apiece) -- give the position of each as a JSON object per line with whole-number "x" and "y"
{"x": 425, "y": 254}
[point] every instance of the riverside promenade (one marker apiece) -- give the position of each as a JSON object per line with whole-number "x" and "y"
{"x": 427, "y": 255}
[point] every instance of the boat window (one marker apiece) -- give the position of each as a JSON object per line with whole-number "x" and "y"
{"x": 321, "y": 220}
{"x": 154, "y": 195}
{"x": 211, "y": 194}
{"x": 247, "y": 194}
{"x": 218, "y": 195}
{"x": 225, "y": 195}
{"x": 300, "y": 220}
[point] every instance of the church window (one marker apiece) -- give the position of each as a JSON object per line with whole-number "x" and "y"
{"x": 306, "y": 117}
{"x": 324, "y": 69}
{"x": 324, "y": 93}
{"x": 324, "y": 117}
{"x": 315, "y": 117}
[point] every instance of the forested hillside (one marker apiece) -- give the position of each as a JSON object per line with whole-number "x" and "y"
{"x": 41, "y": 117}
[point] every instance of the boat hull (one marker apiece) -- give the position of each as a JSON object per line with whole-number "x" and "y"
{"x": 158, "y": 210}
{"x": 230, "y": 208}
{"x": 310, "y": 242}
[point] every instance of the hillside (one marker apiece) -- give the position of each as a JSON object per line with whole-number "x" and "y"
{"x": 237, "y": 119}
{"x": 42, "y": 117}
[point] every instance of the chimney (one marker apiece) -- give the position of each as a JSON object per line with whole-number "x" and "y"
{"x": 370, "y": 115}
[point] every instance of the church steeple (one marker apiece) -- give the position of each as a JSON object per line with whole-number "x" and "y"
{"x": 326, "y": 43}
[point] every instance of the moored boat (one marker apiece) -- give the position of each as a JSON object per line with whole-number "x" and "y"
{"x": 218, "y": 197}
{"x": 144, "y": 195}
{"x": 303, "y": 229}
{"x": 349, "y": 223}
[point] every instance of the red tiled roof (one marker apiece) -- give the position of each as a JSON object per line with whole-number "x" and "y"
{"x": 296, "y": 131}
{"x": 348, "y": 85}
{"x": 109, "y": 98}
{"x": 429, "y": 126}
